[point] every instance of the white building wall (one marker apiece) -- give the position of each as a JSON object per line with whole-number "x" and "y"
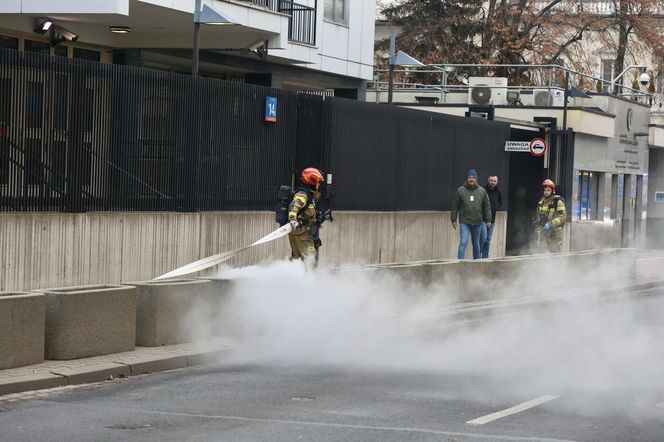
{"x": 344, "y": 49}
{"x": 65, "y": 7}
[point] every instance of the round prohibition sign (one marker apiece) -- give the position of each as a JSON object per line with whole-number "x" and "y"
{"x": 537, "y": 147}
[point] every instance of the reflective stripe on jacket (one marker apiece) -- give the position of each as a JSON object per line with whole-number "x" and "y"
{"x": 554, "y": 210}
{"x": 298, "y": 211}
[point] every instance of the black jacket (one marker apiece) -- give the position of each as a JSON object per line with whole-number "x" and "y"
{"x": 496, "y": 200}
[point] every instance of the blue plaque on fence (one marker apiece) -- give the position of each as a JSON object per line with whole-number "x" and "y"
{"x": 271, "y": 109}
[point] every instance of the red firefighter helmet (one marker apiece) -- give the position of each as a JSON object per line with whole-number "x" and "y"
{"x": 312, "y": 176}
{"x": 549, "y": 183}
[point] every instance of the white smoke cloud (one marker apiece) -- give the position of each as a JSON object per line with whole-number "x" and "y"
{"x": 285, "y": 315}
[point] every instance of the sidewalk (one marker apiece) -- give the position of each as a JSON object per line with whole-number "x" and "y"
{"x": 650, "y": 266}
{"x": 51, "y": 374}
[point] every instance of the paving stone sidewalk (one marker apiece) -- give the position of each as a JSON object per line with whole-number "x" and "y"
{"x": 57, "y": 374}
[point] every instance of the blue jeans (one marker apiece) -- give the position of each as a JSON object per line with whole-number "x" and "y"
{"x": 473, "y": 231}
{"x": 485, "y": 239}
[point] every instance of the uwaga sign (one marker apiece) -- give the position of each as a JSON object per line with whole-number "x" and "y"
{"x": 536, "y": 147}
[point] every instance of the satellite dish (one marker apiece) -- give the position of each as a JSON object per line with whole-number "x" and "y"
{"x": 481, "y": 95}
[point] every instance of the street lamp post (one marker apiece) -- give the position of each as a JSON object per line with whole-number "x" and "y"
{"x": 397, "y": 58}
{"x": 641, "y": 66}
{"x": 197, "y": 38}
{"x": 208, "y": 16}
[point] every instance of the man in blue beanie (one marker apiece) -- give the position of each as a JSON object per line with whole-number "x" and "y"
{"x": 471, "y": 204}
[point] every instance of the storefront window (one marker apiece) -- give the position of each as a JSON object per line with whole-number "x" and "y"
{"x": 588, "y": 204}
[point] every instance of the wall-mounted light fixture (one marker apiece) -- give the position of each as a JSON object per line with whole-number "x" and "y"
{"x": 119, "y": 29}
{"x": 212, "y": 17}
{"x": 43, "y": 27}
{"x": 56, "y": 33}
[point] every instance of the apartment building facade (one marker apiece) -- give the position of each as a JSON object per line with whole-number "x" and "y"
{"x": 313, "y": 45}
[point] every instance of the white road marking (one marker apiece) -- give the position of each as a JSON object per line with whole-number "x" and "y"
{"x": 464, "y": 435}
{"x": 513, "y": 410}
{"x": 650, "y": 259}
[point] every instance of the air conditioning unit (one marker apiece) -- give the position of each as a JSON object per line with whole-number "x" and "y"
{"x": 487, "y": 90}
{"x": 549, "y": 97}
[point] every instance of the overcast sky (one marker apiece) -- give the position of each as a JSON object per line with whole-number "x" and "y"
{"x": 380, "y": 4}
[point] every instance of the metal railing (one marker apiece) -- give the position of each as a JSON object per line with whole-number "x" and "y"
{"x": 301, "y": 22}
{"x": 446, "y": 78}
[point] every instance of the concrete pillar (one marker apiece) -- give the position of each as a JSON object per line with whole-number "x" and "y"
{"x": 615, "y": 201}
{"x": 602, "y": 192}
{"x": 639, "y": 222}
{"x": 655, "y": 223}
{"x": 628, "y": 211}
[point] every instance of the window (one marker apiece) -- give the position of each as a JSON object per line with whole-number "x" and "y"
{"x": 60, "y": 51}
{"x": 40, "y": 47}
{"x": 8, "y": 42}
{"x": 587, "y": 209}
{"x": 335, "y": 10}
{"x": 607, "y": 72}
{"x": 85, "y": 54}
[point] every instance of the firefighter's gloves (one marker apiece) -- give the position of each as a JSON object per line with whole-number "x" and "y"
{"x": 547, "y": 227}
{"x": 294, "y": 223}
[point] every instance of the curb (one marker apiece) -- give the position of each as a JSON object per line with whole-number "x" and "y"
{"x": 122, "y": 367}
{"x": 479, "y": 308}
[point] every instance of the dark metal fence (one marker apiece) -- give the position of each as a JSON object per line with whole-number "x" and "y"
{"x": 389, "y": 158}
{"x": 79, "y": 136}
{"x": 82, "y": 136}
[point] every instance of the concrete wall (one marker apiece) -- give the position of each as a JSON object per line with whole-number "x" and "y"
{"x": 59, "y": 250}
{"x": 519, "y": 276}
{"x": 587, "y": 235}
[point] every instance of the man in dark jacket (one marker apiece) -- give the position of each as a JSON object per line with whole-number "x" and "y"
{"x": 471, "y": 204}
{"x": 496, "y": 201}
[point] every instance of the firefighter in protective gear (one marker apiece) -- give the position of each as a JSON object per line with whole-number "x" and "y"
{"x": 551, "y": 217}
{"x": 302, "y": 214}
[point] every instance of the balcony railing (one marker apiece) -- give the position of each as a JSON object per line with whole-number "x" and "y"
{"x": 301, "y": 22}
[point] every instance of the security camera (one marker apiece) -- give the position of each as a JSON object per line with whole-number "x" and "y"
{"x": 644, "y": 79}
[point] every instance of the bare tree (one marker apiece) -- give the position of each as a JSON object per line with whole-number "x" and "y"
{"x": 527, "y": 31}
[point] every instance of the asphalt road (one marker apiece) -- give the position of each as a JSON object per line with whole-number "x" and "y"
{"x": 599, "y": 383}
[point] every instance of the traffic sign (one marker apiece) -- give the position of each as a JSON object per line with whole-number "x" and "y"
{"x": 537, "y": 147}
{"x": 271, "y": 109}
{"x": 517, "y": 146}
